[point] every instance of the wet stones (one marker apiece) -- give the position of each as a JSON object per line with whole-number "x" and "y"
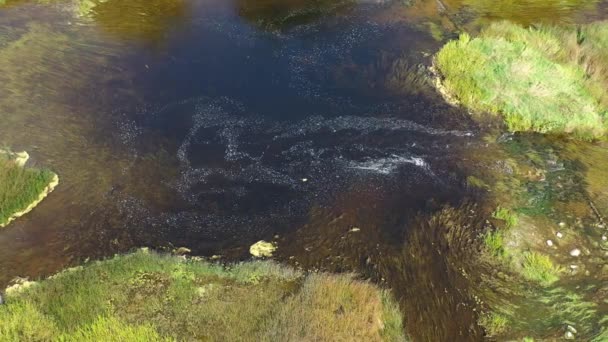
{"x": 262, "y": 249}
{"x": 570, "y": 332}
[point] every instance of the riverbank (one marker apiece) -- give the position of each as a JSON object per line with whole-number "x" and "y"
{"x": 21, "y": 188}
{"x": 154, "y": 297}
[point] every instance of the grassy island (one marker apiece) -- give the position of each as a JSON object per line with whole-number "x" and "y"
{"x": 546, "y": 79}
{"x": 21, "y": 188}
{"x": 145, "y": 296}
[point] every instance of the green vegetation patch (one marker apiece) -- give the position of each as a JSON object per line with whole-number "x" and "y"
{"x": 523, "y": 76}
{"x": 19, "y": 186}
{"x": 145, "y": 296}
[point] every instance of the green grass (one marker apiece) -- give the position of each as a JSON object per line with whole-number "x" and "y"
{"x": 528, "y": 78}
{"x": 539, "y": 267}
{"x": 145, "y": 296}
{"x": 19, "y": 186}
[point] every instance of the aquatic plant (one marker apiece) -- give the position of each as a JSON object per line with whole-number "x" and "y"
{"x": 529, "y": 11}
{"x": 494, "y": 323}
{"x": 276, "y": 15}
{"x": 506, "y": 215}
{"x": 539, "y": 267}
{"x": 191, "y": 300}
{"x": 494, "y": 243}
{"x": 19, "y": 186}
{"x": 518, "y": 75}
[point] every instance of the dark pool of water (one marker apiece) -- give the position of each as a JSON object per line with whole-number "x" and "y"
{"x": 213, "y": 124}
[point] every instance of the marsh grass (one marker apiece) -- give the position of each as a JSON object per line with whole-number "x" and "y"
{"x": 547, "y": 80}
{"x": 145, "y": 296}
{"x": 19, "y": 186}
{"x": 539, "y": 267}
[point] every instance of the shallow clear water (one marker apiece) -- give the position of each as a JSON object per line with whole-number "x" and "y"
{"x": 213, "y": 124}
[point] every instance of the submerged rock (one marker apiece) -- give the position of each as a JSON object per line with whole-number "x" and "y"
{"x": 262, "y": 249}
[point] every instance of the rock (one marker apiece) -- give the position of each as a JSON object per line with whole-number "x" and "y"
{"x": 569, "y": 335}
{"x": 182, "y": 251}
{"x": 354, "y": 230}
{"x": 20, "y": 286}
{"x": 604, "y": 238}
{"x": 575, "y": 252}
{"x": 304, "y": 180}
{"x": 559, "y": 235}
{"x": 262, "y": 249}
{"x": 549, "y": 243}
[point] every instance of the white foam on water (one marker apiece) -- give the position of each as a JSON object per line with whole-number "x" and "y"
{"x": 386, "y": 166}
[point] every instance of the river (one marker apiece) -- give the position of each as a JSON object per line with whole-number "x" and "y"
{"x": 213, "y": 124}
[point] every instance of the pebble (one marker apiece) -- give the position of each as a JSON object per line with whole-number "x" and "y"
{"x": 575, "y": 252}
{"x": 573, "y": 267}
{"x": 559, "y": 235}
{"x": 549, "y": 243}
{"x": 569, "y": 336}
{"x": 604, "y": 238}
{"x": 562, "y": 224}
{"x": 304, "y": 180}
{"x": 571, "y": 329}
{"x": 355, "y": 229}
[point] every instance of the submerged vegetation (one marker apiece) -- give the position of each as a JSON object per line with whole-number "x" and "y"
{"x": 548, "y": 80}
{"x": 20, "y": 187}
{"x": 540, "y": 268}
{"x": 146, "y": 296}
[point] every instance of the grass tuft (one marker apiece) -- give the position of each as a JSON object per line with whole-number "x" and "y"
{"x": 505, "y": 215}
{"x": 525, "y": 77}
{"x": 19, "y": 186}
{"x": 494, "y": 243}
{"x": 494, "y": 323}
{"x": 539, "y": 267}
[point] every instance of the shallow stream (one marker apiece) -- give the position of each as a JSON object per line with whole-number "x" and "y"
{"x": 214, "y": 124}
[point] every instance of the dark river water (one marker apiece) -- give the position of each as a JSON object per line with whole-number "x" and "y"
{"x": 214, "y": 124}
